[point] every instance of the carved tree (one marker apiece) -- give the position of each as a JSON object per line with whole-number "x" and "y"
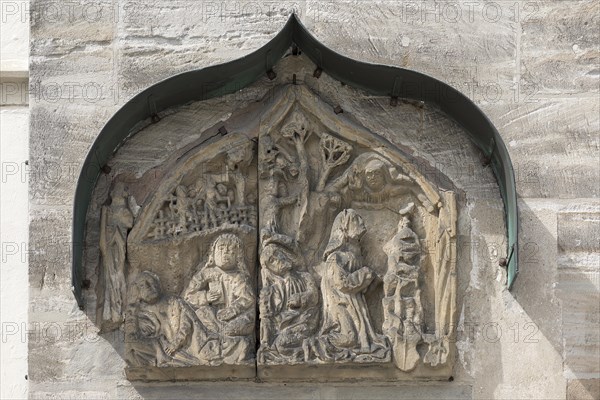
{"x": 356, "y": 257}
{"x": 334, "y": 153}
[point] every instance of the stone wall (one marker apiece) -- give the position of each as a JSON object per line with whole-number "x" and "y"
{"x": 14, "y": 218}
{"x": 531, "y": 66}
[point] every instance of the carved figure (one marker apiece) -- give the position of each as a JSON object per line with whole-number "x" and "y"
{"x": 218, "y": 201}
{"x": 314, "y": 211}
{"x": 273, "y": 200}
{"x": 115, "y": 222}
{"x": 372, "y": 181}
{"x": 179, "y": 207}
{"x": 238, "y": 159}
{"x": 223, "y": 298}
{"x": 403, "y": 312}
{"x": 166, "y": 330}
{"x": 216, "y": 197}
{"x": 298, "y": 132}
{"x": 346, "y": 332}
{"x": 333, "y": 296}
{"x": 288, "y": 305}
{"x": 444, "y": 283}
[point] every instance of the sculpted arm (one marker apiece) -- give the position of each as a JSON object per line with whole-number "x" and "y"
{"x": 196, "y": 292}
{"x": 245, "y": 298}
{"x": 353, "y": 282}
{"x": 243, "y": 301}
{"x": 310, "y": 297}
{"x": 185, "y": 328}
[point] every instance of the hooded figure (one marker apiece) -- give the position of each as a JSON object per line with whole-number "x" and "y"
{"x": 346, "y": 332}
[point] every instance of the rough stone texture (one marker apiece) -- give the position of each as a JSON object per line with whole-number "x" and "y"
{"x": 584, "y": 389}
{"x": 531, "y": 67}
{"x": 579, "y": 289}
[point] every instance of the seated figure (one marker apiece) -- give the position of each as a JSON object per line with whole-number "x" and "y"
{"x": 223, "y": 297}
{"x": 166, "y": 331}
{"x": 288, "y": 305}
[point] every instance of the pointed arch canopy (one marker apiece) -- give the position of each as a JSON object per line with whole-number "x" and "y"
{"x": 218, "y": 80}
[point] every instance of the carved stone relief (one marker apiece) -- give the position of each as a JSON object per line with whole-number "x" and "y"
{"x": 356, "y": 271}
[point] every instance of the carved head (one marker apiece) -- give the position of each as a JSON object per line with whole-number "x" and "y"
{"x": 227, "y": 253}
{"x": 119, "y": 194}
{"x": 375, "y": 175}
{"x": 347, "y": 226}
{"x": 352, "y": 224}
{"x": 276, "y": 259}
{"x": 221, "y": 189}
{"x": 148, "y": 286}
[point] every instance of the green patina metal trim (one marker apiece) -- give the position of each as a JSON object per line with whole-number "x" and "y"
{"x": 227, "y": 78}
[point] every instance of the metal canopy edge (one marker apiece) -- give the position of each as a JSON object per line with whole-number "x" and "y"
{"x": 232, "y": 76}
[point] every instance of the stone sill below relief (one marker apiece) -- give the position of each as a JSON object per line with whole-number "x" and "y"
{"x": 298, "y": 391}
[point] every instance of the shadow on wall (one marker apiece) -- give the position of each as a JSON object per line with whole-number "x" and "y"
{"x": 558, "y": 288}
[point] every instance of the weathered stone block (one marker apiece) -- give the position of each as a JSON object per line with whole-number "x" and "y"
{"x": 583, "y": 389}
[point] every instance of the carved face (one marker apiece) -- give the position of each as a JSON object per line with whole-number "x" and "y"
{"x": 221, "y": 189}
{"x": 276, "y": 260}
{"x": 356, "y": 226}
{"x": 226, "y": 251}
{"x": 118, "y": 195}
{"x": 374, "y": 175}
{"x": 149, "y": 289}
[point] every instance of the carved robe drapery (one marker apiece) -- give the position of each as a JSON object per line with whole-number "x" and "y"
{"x": 300, "y": 231}
{"x": 115, "y": 222}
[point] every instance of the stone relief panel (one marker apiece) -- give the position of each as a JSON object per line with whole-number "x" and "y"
{"x": 191, "y": 292}
{"x": 346, "y": 216}
{"x": 304, "y": 248}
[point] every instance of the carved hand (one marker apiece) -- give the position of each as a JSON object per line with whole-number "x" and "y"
{"x": 226, "y": 314}
{"x": 212, "y": 296}
{"x": 295, "y": 301}
{"x": 147, "y": 330}
{"x": 367, "y": 273}
{"x": 170, "y": 349}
